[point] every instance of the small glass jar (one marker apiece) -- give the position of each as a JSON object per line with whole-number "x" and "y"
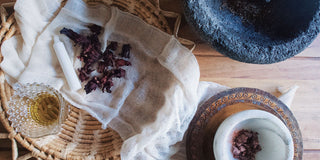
{"x": 36, "y": 110}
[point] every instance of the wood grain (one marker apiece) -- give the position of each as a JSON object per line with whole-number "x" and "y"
{"x": 291, "y": 69}
{"x": 311, "y": 155}
{"x": 301, "y": 71}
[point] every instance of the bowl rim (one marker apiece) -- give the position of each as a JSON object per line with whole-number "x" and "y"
{"x": 196, "y": 13}
{"x": 196, "y": 144}
{"x": 227, "y": 128}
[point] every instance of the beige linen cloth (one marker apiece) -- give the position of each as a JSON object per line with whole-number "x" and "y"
{"x": 150, "y": 108}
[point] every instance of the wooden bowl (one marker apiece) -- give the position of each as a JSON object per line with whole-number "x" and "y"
{"x": 212, "y": 113}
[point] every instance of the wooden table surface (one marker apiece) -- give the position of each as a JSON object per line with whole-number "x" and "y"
{"x": 302, "y": 70}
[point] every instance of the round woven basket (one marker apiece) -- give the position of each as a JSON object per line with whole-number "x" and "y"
{"x": 81, "y": 136}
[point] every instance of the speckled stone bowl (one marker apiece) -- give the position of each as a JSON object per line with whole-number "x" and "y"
{"x": 295, "y": 24}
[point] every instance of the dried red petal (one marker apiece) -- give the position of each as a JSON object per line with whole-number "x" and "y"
{"x": 245, "y": 145}
{"x": 96, "y": 29}
{"x": 119, "y": 73}
{"x": 90, "y": 57}
{"x": 87, "y": 68}
{"x": 94, "y": 41}
{"x": 84, "y": 72}
{"x": 125, "y": 52}
{"x": 112, "y": 46}
{"x": 91, "y": 53}
{"x": 108, "y": 58}
{"x": 83, "y": 76}
{"x": 92, "y": 85}
{"x": 102, "y": 66}
{"x": 75, "y": 37}
{"x": 106, "y": 83}
{"x": 122, "y": 62}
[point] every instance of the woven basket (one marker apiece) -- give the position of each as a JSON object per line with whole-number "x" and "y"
{"x": 81, "y": 136}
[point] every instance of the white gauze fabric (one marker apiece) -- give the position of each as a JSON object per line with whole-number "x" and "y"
{"x": 156, "y": 99}
{"x": 150, "y": 108}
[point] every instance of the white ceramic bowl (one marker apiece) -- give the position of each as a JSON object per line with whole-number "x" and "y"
{"x": 274, "y": 137}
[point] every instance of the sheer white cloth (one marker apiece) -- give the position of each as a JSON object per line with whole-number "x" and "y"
{"x": 150, "y": 108}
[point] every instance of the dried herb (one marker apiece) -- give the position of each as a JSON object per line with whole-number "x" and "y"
{"x": 95, "y": 29}
{"x": 245, "y": 145}
{"x": 92, "y": 85}
{"x": 108, "y": 64}
{"x": 75, "y": 37}
{"x": 83, "y": 75}
{"x": 106, "y": 83}
{"x": 112, "y": 46}
{"x": 108, "y": 58}
{"x": 125, "y": 51}
{"x": 119, "y": 73}
{"x": 102, "y": 66}
{"x": 122, "y": 62}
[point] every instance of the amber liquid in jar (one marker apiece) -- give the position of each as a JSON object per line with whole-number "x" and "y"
{"x": 45, "y": 109}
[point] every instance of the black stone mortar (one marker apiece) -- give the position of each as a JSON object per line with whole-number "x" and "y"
{"x": 252, "y": 35}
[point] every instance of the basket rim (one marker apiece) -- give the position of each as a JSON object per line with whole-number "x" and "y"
{"x": 9, "y": 28}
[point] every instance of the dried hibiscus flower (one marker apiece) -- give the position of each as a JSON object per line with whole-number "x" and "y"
{"x": 108, "y": 65}
{"x": 102, "y": 66}
{"x": 95, "y": 29}
{"x": 108, "y": 57}
{"x": 119, "y": 72}
{"x": 92, "y": 85}
{"x": 83, "y": 75}
{"x": 106, "y": 83}
{"x": 112, "y": 46}
{"x": 75, "y": 37}
{"x": 125, "y": 51}
{"x": 122, "y": 62}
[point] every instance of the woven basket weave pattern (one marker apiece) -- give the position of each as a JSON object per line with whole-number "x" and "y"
{"x": 81, "y": 136}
